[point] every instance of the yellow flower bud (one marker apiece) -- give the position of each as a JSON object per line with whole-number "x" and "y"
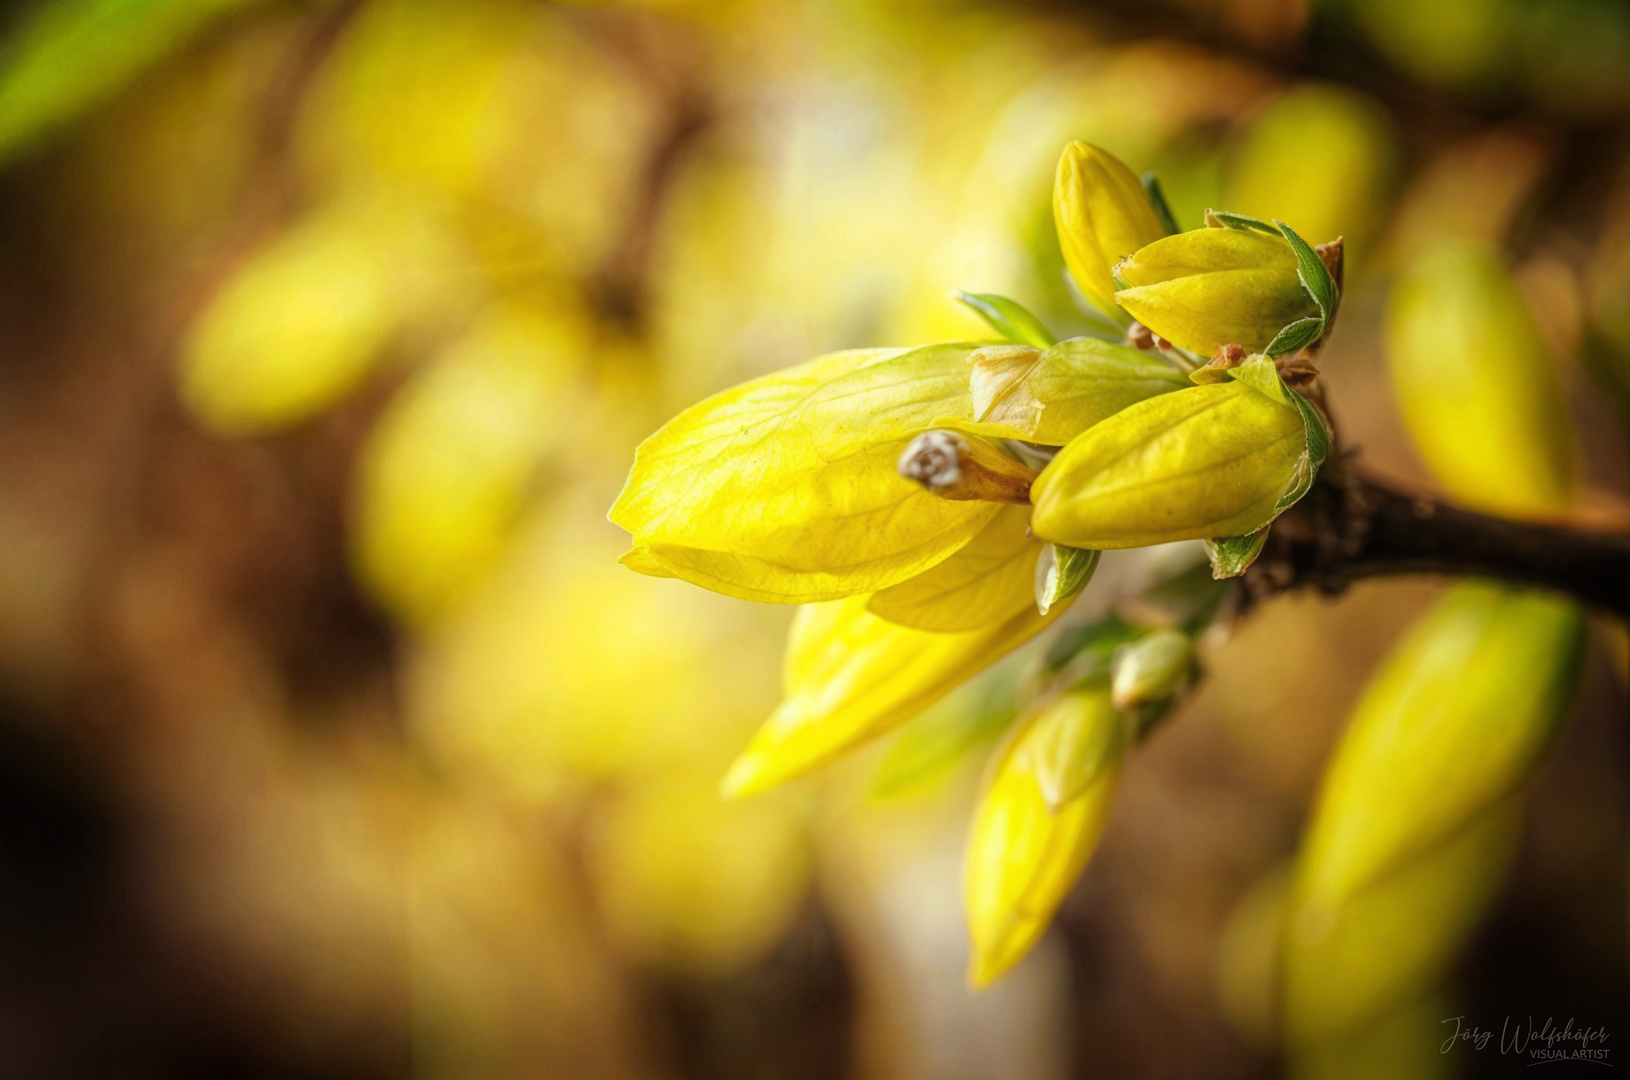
{"x": 1051, "y": 396}
{"x": 1455, "y": 720}
{"x": 1477, "y": 387}
{"x": 1344, "y": 965}
{"x": 852, "y": 675}
{"x": 1024, "y": 855}
{"x": 1074, "y": 740}
{"x": 1152, "y": 668}
{"x": 1214, "y": 287}
{"x": 784, "y": 489}
{"x": 1103, "y": 215}
{"x": 1202, "y": 462}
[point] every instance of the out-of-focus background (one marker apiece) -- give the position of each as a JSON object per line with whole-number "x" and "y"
{"x": 335, "y": 743}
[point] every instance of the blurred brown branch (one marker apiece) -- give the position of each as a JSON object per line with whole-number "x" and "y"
{"x": 1354, "y": 526}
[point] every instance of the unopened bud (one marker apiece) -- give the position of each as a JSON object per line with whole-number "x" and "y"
{"x": 1103, "y": 215}
{"x": 1214, "y": 287}
{"x": 954, "y": 466}
{"x": 1152, "y": 668}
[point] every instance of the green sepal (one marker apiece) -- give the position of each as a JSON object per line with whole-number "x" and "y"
{"x": 1231, "y": 556}
{"x": 1297, "y": 335}
{"x": 1061, "y": 572}
{"x": 1008, "y": 318}
{"x": 1318, "y": 448}
{"x": 1316, "y": 279}
{"x": 1157, "y": 200}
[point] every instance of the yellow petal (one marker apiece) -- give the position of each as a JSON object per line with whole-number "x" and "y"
{"x": 784, "y": 488}
{"x": 640, "y": 560}
{"x": 1103, "y": 215}
{"x": 1455, "y": 720}
{"x": 989, "y": 580}
{"x": 1201, "y": 462}
{"x": 851, "y": 676}
{"x": 1051, "y": 397}
{"x": 1023, "y": 857}
{"x": 1477, "y": 386}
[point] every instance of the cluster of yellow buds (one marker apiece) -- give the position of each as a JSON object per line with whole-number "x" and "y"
{"x": 937, "y": 507}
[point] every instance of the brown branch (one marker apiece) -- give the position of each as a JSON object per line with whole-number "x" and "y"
{"x": 1356, "y": 527}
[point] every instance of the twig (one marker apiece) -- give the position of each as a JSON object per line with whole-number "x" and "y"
{"x": 1358, "y": 527}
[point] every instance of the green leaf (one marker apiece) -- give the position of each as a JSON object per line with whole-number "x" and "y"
{"x": 1297, "y": 335}
{"x": 1008, "y": 318}
{"x": 1157, "y": 199}
{"x": 1231, "y": 556}
{"x": 931, "y": 746}
{"x": 1230, "y": 220}
{"x": 68, "y": 56}
{"x": 1310, "y": 268}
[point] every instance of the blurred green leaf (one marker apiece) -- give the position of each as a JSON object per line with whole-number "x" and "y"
{"x": 67, "y": 56}
{"x": 1157, "y": 199}
{"x": 933, "y": 745}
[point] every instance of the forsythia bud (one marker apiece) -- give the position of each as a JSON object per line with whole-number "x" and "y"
{"x": 1103, "y": 215}
{"x": 1202, "y": 462}
{"x": 1076, "y": 737}
{"x": 1152, "y": 668}
{"x": 1051, "y": 396}
{"x": 1455, "y": 720}
{"x": 1477, "y": 388}
{"x": 1214, "y": 287}
{"x": 1023, "y": 855}
{"x": 1345, "y": 965}
{"x": 851, "y": 675}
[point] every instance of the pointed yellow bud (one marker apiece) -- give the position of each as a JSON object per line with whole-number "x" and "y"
{"x": 1050, "y": 397}
{"x": 1024, "y": 855}
{"x": 987, "y": 582}
{"x": 1214, "y": 287}
{"x": 1201, "y": 462}
{"x": 1103, "y": 215}
{"x": 784, "y": 489}
{"x": 1477, "y": 387}
{"x": 1456, "y": 719}
{"x": 1152, "y": 668}
{"x": 851, "y": 675}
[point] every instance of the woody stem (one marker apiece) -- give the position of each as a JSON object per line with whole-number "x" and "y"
{"x": 1365, "y": 528}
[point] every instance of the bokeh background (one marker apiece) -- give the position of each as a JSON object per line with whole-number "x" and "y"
{"x": 335, "y": 743}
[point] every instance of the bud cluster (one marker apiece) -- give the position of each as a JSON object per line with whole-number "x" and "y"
{"x": 937, "y": 507}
